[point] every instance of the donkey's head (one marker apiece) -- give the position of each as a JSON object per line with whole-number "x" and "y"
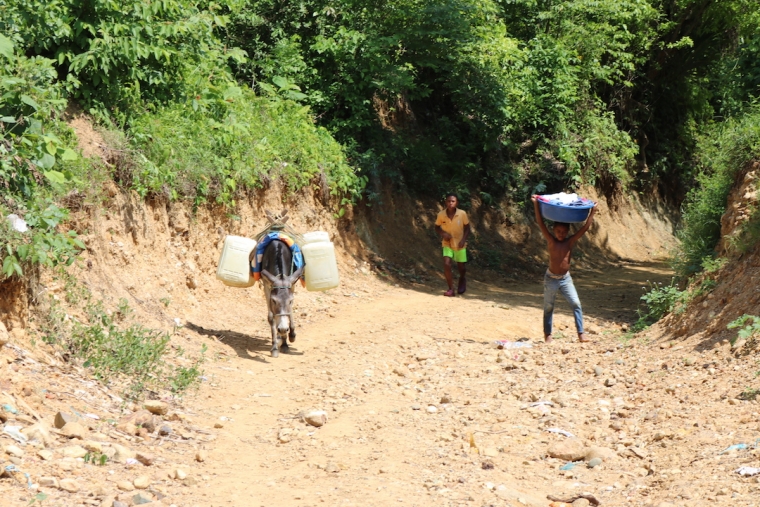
{"x": 280, "y": 302}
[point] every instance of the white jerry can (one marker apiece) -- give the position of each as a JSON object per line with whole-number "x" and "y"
{"x": 321, "y": 271}
{"x": 234, "y": 264}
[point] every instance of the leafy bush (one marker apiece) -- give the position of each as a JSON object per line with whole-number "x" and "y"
{"x": 722, "y": 151}
{"x": 34, "y": 162}
{"x": 658, "y": 301}
{"x": 228, "y": 140}
{"x": 748, "y": 326}
{"x": 115, "y": 55}
{"x": 661, "y": 300}
{"x": 43, "y": 245}
{"x": 31, "y": 147}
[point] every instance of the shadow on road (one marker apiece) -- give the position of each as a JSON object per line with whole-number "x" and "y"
{"x": 256, "y": 348}
{"x": 611, "y": 292}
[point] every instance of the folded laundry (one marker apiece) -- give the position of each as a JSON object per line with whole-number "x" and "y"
{"x": 568, "y": 200}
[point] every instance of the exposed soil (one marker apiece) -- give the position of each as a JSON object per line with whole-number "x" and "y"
{"x": 422, "y": 410}
{"x": 376, "y": 357}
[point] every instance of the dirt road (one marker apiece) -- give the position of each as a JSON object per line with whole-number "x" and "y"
{"x": 410, "y": 382}
{"x": 422, "y": 410}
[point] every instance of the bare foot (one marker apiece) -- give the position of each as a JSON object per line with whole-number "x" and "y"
{"x": 548, "y": 338}
{"x": 582, "y": 338}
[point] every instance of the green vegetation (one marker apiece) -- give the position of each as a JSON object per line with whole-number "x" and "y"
{"x": 230, "y": 139}
{"x": 658, "y": 301}
{"x": 723, "y": 151}
{"x": 209, "y": 101}
{"x": 96, "y": 458}
{"x": 36, "y": 157}
{"x": 506, "y": 95}
{"x": 112, "y": 349}
{"x": 748, "y": 326}
{"x": 500, "y": 97}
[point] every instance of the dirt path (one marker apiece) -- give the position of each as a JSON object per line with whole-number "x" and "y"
{"x": 382, "y": 367}
{"x": 422, "y": 410}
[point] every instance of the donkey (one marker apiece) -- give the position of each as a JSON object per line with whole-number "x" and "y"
{"x": 278, "y": 281}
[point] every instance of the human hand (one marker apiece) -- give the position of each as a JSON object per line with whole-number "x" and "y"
{"x": 534, "y": 198}
{"x": 445, "y": 235}
{"x": 461, "y": 244}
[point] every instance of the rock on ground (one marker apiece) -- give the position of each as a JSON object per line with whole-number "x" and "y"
{"x": 571, "y": 449}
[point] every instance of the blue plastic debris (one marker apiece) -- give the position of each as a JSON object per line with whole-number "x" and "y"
{"x": 735, "y": 447}
{"x": 10, "y": 409}
{"x": 569, "y": 466}
{"x": 14, "y": 469}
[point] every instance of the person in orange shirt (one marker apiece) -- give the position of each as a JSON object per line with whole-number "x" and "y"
{"x": 453, "y": 227}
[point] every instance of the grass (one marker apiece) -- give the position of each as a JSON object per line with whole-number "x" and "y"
{"x": 114, "y": 347}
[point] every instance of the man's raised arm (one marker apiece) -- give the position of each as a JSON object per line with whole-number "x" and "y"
{"x": 590, "y": 220}
{"x": 540, "y": 219}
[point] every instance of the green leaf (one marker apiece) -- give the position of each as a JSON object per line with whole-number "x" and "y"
{"x": 8, "y": 119}
{"x": 281, "y": 82}
{"x": 55, "y": 177}
{"x": 69, "y": 154}
{"x": 26, "y": 99}
{"x": 6, "y": 47}
{"x": 8, "y": 266}
{"x": 295, "y": 95}
{"x": 47, "y": 161}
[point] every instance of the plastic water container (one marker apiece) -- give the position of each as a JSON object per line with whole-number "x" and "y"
{"x": 316, "y": 237}
{"x": 321, "y": 271}
{"x": 234, "y": 264}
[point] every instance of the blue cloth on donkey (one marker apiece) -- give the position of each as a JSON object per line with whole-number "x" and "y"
{"x": 295, "y": 250}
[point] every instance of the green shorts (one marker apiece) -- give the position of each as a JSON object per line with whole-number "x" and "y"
{"x": 456, "y": 255}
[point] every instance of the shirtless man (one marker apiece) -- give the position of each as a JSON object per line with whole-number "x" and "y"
{"x": 557, "y": 277}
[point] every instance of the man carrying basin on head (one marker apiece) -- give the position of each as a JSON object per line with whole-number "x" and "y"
{"x": 453, "y": 227}
{"x": 557, "y": 277}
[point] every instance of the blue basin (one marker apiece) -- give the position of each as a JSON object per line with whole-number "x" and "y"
{"x": 569, "y": 214}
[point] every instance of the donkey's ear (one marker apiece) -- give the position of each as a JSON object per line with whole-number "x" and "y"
{"x": 269, "y": 276}
{"x": 296, "y": 275}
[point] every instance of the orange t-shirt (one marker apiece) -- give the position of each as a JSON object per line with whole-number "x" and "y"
{"x": 454, "y": 226}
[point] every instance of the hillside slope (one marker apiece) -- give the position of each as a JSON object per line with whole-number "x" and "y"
{"x": 733, "y": 289}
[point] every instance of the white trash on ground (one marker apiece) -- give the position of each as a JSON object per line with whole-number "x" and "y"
{"x": 18, "y": 223}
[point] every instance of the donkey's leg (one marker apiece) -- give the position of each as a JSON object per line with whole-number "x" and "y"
{"x": 275, "y": 343}
{"x": 270, "y": 317}
{"x": 284, "y": 347}
{"x": 292, "y": 332}
{"x": 275, "y": 336}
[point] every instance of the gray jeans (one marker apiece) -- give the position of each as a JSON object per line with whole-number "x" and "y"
{"x": 563, "y": 285}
